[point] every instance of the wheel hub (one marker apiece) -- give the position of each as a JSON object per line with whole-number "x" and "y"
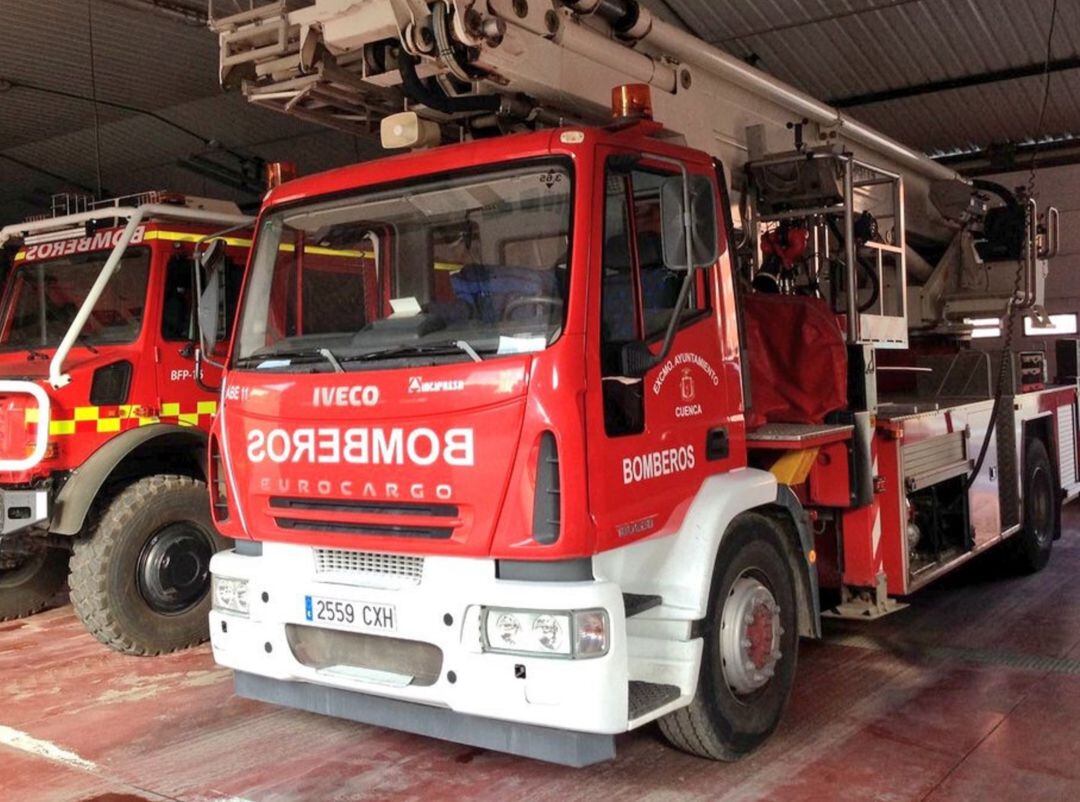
{"x": 174, "y": 568}
{"x": 749, "y": 636}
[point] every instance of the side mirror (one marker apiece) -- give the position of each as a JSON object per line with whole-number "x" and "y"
{"x": 703, "y": 231}
{"x": 208, "y": 262}
{"x": 209, "y": 306}
{"x": 212, "y": 255}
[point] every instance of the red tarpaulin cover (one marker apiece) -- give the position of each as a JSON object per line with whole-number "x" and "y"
{"x": 797, "y": 359}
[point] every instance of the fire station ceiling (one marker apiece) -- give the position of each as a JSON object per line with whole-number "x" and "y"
{"x": 947, "y": 76}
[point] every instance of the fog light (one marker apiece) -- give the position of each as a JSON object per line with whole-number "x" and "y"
{"x": 230, "y": 594}
{"x": 552, "y": 633}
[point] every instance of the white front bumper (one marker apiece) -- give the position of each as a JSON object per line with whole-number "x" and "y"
{"x": 586, "y": 695}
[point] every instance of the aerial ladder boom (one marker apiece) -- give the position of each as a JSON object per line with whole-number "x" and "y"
{"x": 478, "y": 67}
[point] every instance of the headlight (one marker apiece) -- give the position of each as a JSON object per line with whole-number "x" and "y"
{"x": 230, "y": 594}
{"x": 555, "y": 633}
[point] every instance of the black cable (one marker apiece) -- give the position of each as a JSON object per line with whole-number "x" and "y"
{"x": 57, "y": 176}
{"x": 111, "y": 104}
{"x": 871, "y": 273}
{"x": 93, "y": 96}
{"x": 418, "y": 92}
{"x": 1010, "y": 310}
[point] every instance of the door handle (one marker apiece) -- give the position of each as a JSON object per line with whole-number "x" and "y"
{"x": 717, "y": 444}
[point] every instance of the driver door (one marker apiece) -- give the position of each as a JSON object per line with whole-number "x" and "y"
{"x": 653, "y": 440}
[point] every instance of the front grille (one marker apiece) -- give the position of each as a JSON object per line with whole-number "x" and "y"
{"x": 393, "y": 568}
{"x": 365, "y": 507}
{"x": 346, "y": 528}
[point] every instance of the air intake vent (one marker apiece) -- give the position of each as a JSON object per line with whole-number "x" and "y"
{"x": 547, "y": 501}
{"x": 110, "y": 384}
{"x": 369, "y": 567}
{"x": 365, "y": 507}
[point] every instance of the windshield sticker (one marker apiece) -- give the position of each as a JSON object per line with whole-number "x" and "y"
{"x": 685, "y": 358}
{"x": 405, "y": 307}
{"x": 98, "y": 242}
{"x": 271, "y": 364}
{"x": 521, "y": 345}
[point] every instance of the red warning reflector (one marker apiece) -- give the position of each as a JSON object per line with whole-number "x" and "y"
{"x": 277, "y": 173}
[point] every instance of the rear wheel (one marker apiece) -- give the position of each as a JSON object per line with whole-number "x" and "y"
{"x": 30, "y": 577}
{"x": 1042, "y": 511}
{"x": 140, "y": 582}
{"x": 751, "y": 644}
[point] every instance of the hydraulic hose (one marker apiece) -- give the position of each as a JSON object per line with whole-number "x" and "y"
{"x": 418, "y": 92}
{"x": 871, "y": 274}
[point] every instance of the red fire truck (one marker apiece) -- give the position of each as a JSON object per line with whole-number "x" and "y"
{"x": 556, "y": 449}
{"x": 104, "y": 426}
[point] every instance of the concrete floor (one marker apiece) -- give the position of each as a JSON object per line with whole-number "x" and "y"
{"x": 973, "y": 692}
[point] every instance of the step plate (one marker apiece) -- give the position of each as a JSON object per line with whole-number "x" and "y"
{"x": 636, "y": 603}
{"x": 648, "y": 696}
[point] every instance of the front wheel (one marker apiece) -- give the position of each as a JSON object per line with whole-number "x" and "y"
{"x": 751, "y": 645}
{"x": 140, "y": 582}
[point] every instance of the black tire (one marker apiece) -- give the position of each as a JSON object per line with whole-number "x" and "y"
{"x": 1031, "y": 546}
{"x": 140, "y": 580}
{"x": 30, "y": 584}
{"x": 721, "y": 723}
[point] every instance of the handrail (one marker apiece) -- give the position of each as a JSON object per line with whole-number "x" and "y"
{"x": 1053, "y": 233}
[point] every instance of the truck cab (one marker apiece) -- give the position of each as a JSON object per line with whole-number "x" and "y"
{"x": 482, "y": 430}
{"x": 102, "y": 468}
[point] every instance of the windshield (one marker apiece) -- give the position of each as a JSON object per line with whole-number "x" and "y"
{"x": 44, "y": 298}
{"x": 461, "y": 267}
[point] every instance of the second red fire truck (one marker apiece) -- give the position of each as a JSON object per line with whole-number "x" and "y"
{"x": 103, "y": 430}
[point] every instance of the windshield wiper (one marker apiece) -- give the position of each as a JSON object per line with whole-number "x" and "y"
{"x": 434, "y": 349}
{"x": 337, "y": 360}
{"x": 305, "y": 354}
{"x": 84, "y": 341}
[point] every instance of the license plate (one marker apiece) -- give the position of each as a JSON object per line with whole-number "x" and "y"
{"x": 350, "y": 614}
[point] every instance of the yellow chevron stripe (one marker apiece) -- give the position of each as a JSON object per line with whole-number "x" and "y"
{"x": 114, "y": 423}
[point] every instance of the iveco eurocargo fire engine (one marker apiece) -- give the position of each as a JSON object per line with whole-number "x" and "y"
{"x": 540, "y": 445}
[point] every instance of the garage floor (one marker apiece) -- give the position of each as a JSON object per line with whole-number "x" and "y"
{"x": 971, "y": 693}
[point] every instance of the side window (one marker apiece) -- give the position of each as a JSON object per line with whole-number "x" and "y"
{"x": 639, "y": 293}
{"x": 620, "y": 321}
{"x": 177, "y": 321}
